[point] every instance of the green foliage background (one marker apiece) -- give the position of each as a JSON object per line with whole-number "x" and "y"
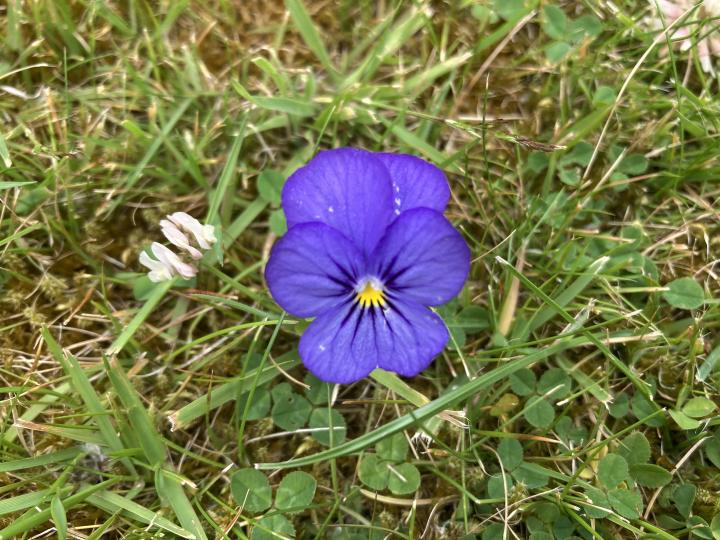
{"x": 578, "y": 396}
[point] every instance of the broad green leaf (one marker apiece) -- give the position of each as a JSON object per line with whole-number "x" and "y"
{"x": 537, "y": 161}
{"x": 523, "y": 382}
{"x": 570, "y": 432}
{"x": 532, "y": 476}
{"x": 539, "y": 413}
{"x": 510, "y": 9}
{"x": 273, "y": 527}
{"x": 295, "y": 492}
{"x": 511, "y": 453}
{"x": 393, "y": 448}
{"x": 496, "y": 489}
{"x": 269, "y": 185}
{"x": 652, "y": 476}
{"x": 554, "y": 384}
{"x": 635, "y": 448}
{"x": 278, "y": 222}
{"x": 684, "y": 293}
{"x": 612, "y": 470}
{"x": 555, "y": 22}
{"x": 683, "y": 420}
{"x": 571, "y": 177}
{"x": 619, "y": 406}
{"x": 627, "y": 503}
{"x": 715, "y": 527}
{"x": 580, "y": 154}
{"x": 403, "y": 478}
{"x": 373, "y": 472}
{"x": 633, "y": 164}
{"x": 712, "y": 449}
{"x": 556, "y": 51}
{"x": 259, "y": 407}
{"x": 251, "y": 490}
{"x": 494, "y": 531}
{"x": 600, "y": 504}
{"x": 642, "y": 408}
{"x": 290, "y": 410}
{"x": 325, "y": 421}
{"x": 585, "y": 26}
{"x": 604, "y": 95}
{"x": 683, "y": 498}
{"x": 698, "y": 407}
{"x": 318, "y": 392}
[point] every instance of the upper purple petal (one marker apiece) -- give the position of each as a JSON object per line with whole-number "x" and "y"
{"x": 416, "y": 183}
{"x": 348, "y": 189}
{"x": 422, "y": 257}
{"x": 312, "y": 268}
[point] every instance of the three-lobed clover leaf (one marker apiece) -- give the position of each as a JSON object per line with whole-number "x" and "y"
{"x": 292, "y": 412}
{"x": 251, "y": 490}
{"x": 385, "y": 468}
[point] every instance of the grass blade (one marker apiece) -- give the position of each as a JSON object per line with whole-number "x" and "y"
{"x": 309, "y": 33}
{"x": 112, "y": 503}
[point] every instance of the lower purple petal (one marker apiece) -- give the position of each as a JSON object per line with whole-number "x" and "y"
{"x": 410, "y": 336}
{"x": 347, "y": 342}
{"x": 340, "y": 346}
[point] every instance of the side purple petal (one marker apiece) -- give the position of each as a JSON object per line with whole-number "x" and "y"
{"x": 422, "y": 257}
{"x": 313, "y": 268}
{"x": 416, "y": 183}
{"x": 348, "y": 189}
{"x": 340, "y": 345}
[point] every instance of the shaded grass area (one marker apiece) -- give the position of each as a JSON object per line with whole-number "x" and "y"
{"x": 578, "y": 395}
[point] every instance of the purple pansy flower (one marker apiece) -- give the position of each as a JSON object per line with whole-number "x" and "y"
{"x": 367, "y": 251}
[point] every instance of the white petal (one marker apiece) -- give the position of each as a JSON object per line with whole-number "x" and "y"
{"x": 170, "y": 260}
{"x": 156, "y": 276}
{"x": 178, "y": 238}
{"x": 204, "y": 234}
{"x": 158, "y": 271}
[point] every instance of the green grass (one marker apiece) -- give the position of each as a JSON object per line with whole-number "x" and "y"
{"x": 578, "y": 396}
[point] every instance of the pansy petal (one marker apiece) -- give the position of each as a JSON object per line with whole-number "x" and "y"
{"x": 347, "y": 342}
{"x": 312, "y": 268}
{"x": 416, "y": 183}
{"x": 346, "y": 188}
{"x": 409, "y": 336}
{"x": 422, "y": 257}
{"x": 340, "y": 346}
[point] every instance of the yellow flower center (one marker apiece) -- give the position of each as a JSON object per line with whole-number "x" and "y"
{"x": 371, "y": 296}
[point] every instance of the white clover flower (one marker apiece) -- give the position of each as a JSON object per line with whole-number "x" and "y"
{"x": 204, "y": 234}
{"x": 167, "y": 265}
{"x": 181, "y": 230}
{"x": 708, "y": 42}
